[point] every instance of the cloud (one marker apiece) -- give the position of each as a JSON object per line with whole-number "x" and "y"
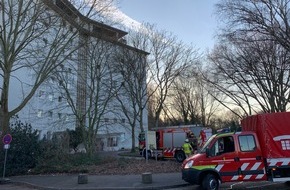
{"x": 117, "y": 15}
{"x": 111, "y": 12}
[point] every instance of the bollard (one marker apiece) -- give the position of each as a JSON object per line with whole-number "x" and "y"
{"x": 82, "y": 179}
{"x": 147, "y": 177}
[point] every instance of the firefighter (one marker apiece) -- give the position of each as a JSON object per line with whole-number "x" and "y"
{"x": 192, "y": 140}
{"x": 202, "y": 138}
{"x": 187, "y": 148}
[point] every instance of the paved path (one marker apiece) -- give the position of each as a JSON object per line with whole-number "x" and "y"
{"x": 159, "y": 181}
{"x": 15, "y": 187}
{"x": 170, "y": 181}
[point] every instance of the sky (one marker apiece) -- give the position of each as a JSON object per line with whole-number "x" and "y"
{"x": 192, "y": 21}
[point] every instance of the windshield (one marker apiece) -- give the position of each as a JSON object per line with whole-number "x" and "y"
{"x": 203, "y": 149}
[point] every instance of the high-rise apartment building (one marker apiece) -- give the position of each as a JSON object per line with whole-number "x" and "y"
{"x": 94, "y": 86}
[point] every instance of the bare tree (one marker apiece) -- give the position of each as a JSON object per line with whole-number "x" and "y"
{"x": 265, "y": 18}
{"x": 193, "y": 99}
{"x": 36, "y": 37}
{"x": 168, "y": 59}
{"x": 250, "y": 64}
{"x": 207, "y": 103}
{"x": 27, "y": 28}
{"x": 227, "y": 120}
{"x": 254, "y": 76}
{"x": 97, "y": 83}
{"x": 185, "y": 100}
{"x": 151, "y": 104}
{"x": 132, "y": 95}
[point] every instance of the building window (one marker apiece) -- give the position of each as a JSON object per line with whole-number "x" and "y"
{"x": 60, "y": 83}
{"x": 59, "y": 99}
{"x": 112, "y": 142}
{"x": 39, "y": 113}
{"x": 41, "y": 94}
{"x": 122, "y": 137}
{"x": 45, "y": 41}
{"x": 50, "y": 114}
{"x": 61, "y": 67}
{"x": 50, "y": 97}
{"x": 66, "y": 117}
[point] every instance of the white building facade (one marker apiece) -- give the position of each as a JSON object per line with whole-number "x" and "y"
{"x": 89, "y": 88}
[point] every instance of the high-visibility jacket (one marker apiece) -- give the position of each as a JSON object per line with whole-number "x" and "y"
{"x": 187, "y": 148}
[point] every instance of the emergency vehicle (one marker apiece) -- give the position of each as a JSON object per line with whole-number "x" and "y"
{"x": 166, "y": 142}
{"x": 261, "y": 151}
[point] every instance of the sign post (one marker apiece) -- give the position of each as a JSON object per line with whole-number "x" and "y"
{"x": 146, "y": 145}
{"x": 6, "y": 141}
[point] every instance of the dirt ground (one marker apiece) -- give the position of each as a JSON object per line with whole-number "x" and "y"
{"x": 124, "y": 165}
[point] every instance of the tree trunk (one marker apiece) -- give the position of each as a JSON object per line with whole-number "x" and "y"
{"x": 4, "y": 118}
{"x": 133, "y": 139}
{"x": 90, "y": 142}
{"x": 4, "y": 121}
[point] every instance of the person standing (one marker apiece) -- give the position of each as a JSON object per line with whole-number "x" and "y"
{"x": 187, "y": 148}
{"x": 202, "y": 139}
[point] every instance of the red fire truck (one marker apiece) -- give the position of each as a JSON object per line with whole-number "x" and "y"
{"x": 166, "y": 142}
{"x": 261, "y": 151}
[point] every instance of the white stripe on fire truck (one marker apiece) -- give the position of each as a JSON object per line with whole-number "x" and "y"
{"x": 244, "y": 166}
{"x": 247, "y": 176}
{"x": 168, "y": 150}
{"x": 235, "y": 177}
{"x": 219, "y": 167}
{"x": 260, "y": 176}
{"x": 254, "y": 167}
{"x": 274, "y": 161}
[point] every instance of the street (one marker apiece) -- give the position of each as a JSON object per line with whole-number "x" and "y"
{"x": 265, "y": 185}
{"x": 226, "y": 186}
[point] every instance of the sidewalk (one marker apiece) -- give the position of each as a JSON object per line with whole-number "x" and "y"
{"x": 122, "y": 182}
{"x": 95, "y": 182}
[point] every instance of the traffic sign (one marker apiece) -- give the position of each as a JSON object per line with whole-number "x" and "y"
{"x": 7, "y": 139}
